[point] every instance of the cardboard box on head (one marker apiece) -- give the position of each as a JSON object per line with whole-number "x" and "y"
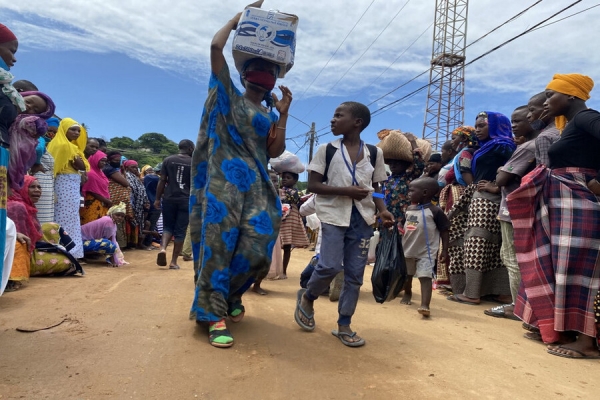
{"x": 270, "y": 35}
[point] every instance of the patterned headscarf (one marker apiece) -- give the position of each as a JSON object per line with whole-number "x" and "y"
{"x": 119, "y": 208}
{"x": 500, "y": 136}
{"x": 63, "y": 150}
{"x": 468, "y": 132}
{"x": 576, "y": 85}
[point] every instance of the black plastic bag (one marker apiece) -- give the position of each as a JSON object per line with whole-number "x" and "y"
{"x": 389, "y": 273}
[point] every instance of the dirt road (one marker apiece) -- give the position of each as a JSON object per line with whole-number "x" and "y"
{"x": 126, "y": 335}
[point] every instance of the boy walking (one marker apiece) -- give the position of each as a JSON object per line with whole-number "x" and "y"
{"x": 425, "y": 225}
{"x": 347, "y": 209}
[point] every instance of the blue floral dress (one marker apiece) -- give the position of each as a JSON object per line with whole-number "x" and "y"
{"x": 235, "y": 211}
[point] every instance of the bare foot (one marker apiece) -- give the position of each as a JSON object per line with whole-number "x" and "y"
{"x": 173, "y": 266}
{"x": 259, "y": 290}
{"x": 406, "y": 298}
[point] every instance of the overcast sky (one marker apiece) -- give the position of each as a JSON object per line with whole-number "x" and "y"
{"x": 130, "y": 67}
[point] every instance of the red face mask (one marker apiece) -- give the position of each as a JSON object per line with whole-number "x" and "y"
{"x": 261, "y": 78}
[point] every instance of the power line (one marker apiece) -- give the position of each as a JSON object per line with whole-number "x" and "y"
{"x": 537, "y": 26}
{"x": 298, "y": 119}
{"x": 568, "y": 16}
{"x": 336, "y": 50}
{"x": 505, "y": 22}
{"x": 477, "y": 58}
{"x": 476, "y": 40}
{"x": 397, "y": 58}
{"x": 359, "y": 58}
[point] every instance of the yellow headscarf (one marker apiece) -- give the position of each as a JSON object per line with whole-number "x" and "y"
{"x": 576, "y": 85}
{"x": 63, "y": 150}
{"x": 119, "y": 208}
{"x": 144, "y": 169}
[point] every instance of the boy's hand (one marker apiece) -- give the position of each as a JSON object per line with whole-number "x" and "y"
{"x": 386, "y": 218}
{"x": 446, "y": 257}
{"x": 357, "y": 192}
{"x": 283, "y": 105}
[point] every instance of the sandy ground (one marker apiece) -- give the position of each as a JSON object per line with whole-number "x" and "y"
{"x": 126, "y": 335}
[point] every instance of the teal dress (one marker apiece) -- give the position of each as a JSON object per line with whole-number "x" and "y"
{"x": 235, "y": 211}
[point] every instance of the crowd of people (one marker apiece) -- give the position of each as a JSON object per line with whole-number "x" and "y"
{"x": 66, "y": 199}
{"x": 507, "y": 212}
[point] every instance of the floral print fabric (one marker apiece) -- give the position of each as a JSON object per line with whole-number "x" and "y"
{"x": 395, "y": 188}
{"x": 235, "y": 210}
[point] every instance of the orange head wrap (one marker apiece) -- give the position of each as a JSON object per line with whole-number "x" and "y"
{"x": 576, "y": 85}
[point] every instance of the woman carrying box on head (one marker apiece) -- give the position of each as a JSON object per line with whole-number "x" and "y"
{"x": 235, "y": 210}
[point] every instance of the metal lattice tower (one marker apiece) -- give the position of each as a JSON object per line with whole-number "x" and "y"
{"x": 445, "y": 97}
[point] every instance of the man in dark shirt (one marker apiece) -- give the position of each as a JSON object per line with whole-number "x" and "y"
{"x": 174, "y": 190}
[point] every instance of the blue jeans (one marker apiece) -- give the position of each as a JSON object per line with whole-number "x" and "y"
{"x": 342, "y": 249}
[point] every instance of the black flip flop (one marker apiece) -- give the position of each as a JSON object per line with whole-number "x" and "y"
{"x": 457, "y": 300}
{"x": 161, "y": 259}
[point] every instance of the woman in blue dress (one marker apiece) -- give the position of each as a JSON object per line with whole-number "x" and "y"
{"x": 235, "y": 210}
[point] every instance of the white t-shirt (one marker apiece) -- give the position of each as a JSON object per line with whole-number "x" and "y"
{"x": 336, "y": 210}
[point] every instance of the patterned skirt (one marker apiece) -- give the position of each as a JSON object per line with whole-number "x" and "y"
{"x": 100, "y": 246}
{"x": 66, "y": 209}
{"x": 118, "y": 194}
{"x": 292, "y": 230}
{"x": 50, "y": 258}
{"x": 92, "y": 210}
{"x": 45, "y": 204}
{"x": 448, "y": 195}
{"x": 484, "y": 272}
{"x": 555, "y": 219}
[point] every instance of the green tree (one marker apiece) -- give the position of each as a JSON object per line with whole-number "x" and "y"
{"x": 122, "y": 142}
{"x": 157, "y": 142}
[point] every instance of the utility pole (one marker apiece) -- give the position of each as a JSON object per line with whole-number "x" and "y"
{"x": 312, "y": 142}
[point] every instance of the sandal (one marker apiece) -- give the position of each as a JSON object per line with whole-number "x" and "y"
{"x": 343, "y": 336}
{"x": 535, "y": 336}
{"x": 530, "y": 328}
{"x": 236, "y": 312}
{"x": 218, "y": 334}
{"x": 300, "y": 310}
{"x": 424, "y": 311}
{"x": 500, "y": 312}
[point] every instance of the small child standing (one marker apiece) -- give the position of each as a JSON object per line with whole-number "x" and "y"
{"x": 425, "y": 225}
{"x": 346, "y": 207}
{"x": 395, "y": 188}
{"x": 292, "y": 230}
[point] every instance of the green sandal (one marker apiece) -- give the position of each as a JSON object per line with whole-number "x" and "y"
{"x": 236, "y": 312}
{"x": 218, "y": 335}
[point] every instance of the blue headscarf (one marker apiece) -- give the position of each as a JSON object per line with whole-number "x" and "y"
{"x": 53, "y": 122}
{"x": 500, "y": 136}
